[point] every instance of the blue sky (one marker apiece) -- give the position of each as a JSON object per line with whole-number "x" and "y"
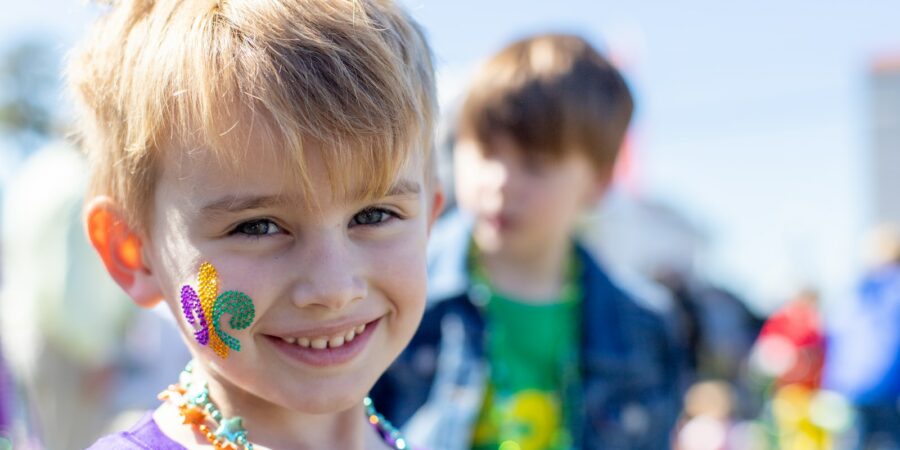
{"x": 752, "y": 116}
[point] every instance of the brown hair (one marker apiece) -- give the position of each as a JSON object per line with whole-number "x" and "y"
{"x": 551, "y": 94}
{"x": 354, "y": 77}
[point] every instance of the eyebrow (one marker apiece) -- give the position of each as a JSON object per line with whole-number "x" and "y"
{"x": 404, "y": 187}
{"x": 236, "y": 203}
{"x": 400, "y": 188}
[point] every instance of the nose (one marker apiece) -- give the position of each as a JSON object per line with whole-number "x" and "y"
{"x": 495, "y": 175}
{"x": 329, "y": 274}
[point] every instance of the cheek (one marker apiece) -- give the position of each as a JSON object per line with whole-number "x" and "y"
{"x": 467, "y": 184}
{"x": 263, "y": 280}
{"x": 542, "y": 195}
{"x": 173, "y": 269}
{"x": 174, "y": 259}
{"x": 552, "y": 203}
{"x": 398, "y": 271}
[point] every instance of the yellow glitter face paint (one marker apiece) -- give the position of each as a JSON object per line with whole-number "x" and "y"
{"x": 205, "y": 307}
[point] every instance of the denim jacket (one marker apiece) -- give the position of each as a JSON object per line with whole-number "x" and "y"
{"x": 628, "y": 395}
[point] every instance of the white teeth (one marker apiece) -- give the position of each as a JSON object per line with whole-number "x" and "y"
{"x": 323, "y": 342}
{"x": 336, "y": 342}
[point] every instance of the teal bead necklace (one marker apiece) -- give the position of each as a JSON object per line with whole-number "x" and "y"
{"x": 196, "y": 409}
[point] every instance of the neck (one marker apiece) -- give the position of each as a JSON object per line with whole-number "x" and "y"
{"x": 271, "y": 426}
{"x": 535, "y": 276}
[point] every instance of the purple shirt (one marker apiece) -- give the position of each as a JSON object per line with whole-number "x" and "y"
{"x": 144, "y": 435}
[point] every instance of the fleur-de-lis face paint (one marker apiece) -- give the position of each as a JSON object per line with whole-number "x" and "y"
{"x": 205, "y": 307}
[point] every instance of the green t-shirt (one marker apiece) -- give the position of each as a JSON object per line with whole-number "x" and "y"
{"x": 531, "y": 348}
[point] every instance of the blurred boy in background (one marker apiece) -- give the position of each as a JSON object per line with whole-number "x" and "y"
{"x": 527, "y": 343}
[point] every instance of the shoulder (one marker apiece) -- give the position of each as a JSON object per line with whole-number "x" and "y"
{"x": 623, "y": 294}
{"x": 144, "y": 435}
{"x": 118, "y": 441}
{"x": 629, "y": 322}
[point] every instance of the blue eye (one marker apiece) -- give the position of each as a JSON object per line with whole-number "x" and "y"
{"x": 372, "y": 217}
{"x": 259, "y": 227}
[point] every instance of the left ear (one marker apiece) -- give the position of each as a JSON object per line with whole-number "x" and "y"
{"x": 120, "y": 249}
{"x": 436, "y": 205}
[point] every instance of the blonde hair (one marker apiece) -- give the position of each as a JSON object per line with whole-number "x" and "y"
{"x": 550, "y": 93}
{"x": 352, "y": 76}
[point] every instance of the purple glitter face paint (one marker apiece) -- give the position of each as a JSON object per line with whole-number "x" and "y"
{"x": 193, "y": 311}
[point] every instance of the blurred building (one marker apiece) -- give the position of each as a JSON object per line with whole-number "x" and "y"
{"x": 885, "y": 163}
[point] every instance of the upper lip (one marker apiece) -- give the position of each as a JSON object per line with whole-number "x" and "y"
{"x": 328, "y": 330}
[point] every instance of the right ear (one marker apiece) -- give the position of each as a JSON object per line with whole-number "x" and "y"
{"x": 121, "y": 250}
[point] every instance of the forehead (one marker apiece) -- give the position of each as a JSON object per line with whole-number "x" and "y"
{"x": 246, "y": 141}
{"x": 261, "y": 166}
{"x": 568, "y": 163}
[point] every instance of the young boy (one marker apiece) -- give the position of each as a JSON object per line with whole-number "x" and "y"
{"x": 264, "y": 169}
{"x": 526, "y": 343}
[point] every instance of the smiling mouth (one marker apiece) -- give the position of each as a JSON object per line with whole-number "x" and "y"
{"x": 500, "y": 221}
{"x": 322, "y": 342}
{"x": 326, "y": 350}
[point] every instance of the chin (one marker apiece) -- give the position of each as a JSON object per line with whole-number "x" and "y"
{"x": 324, "y": 395}
{"x": 330, "y": 402}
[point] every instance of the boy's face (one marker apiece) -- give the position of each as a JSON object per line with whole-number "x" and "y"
{"x": 522, "y": 205}
{"x": 316, "y": 276}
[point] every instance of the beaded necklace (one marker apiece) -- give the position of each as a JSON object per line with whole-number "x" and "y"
{"x": 197, "y": 409}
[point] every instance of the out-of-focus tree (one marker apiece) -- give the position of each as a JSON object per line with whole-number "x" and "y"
{"x": 29, "y": 93}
